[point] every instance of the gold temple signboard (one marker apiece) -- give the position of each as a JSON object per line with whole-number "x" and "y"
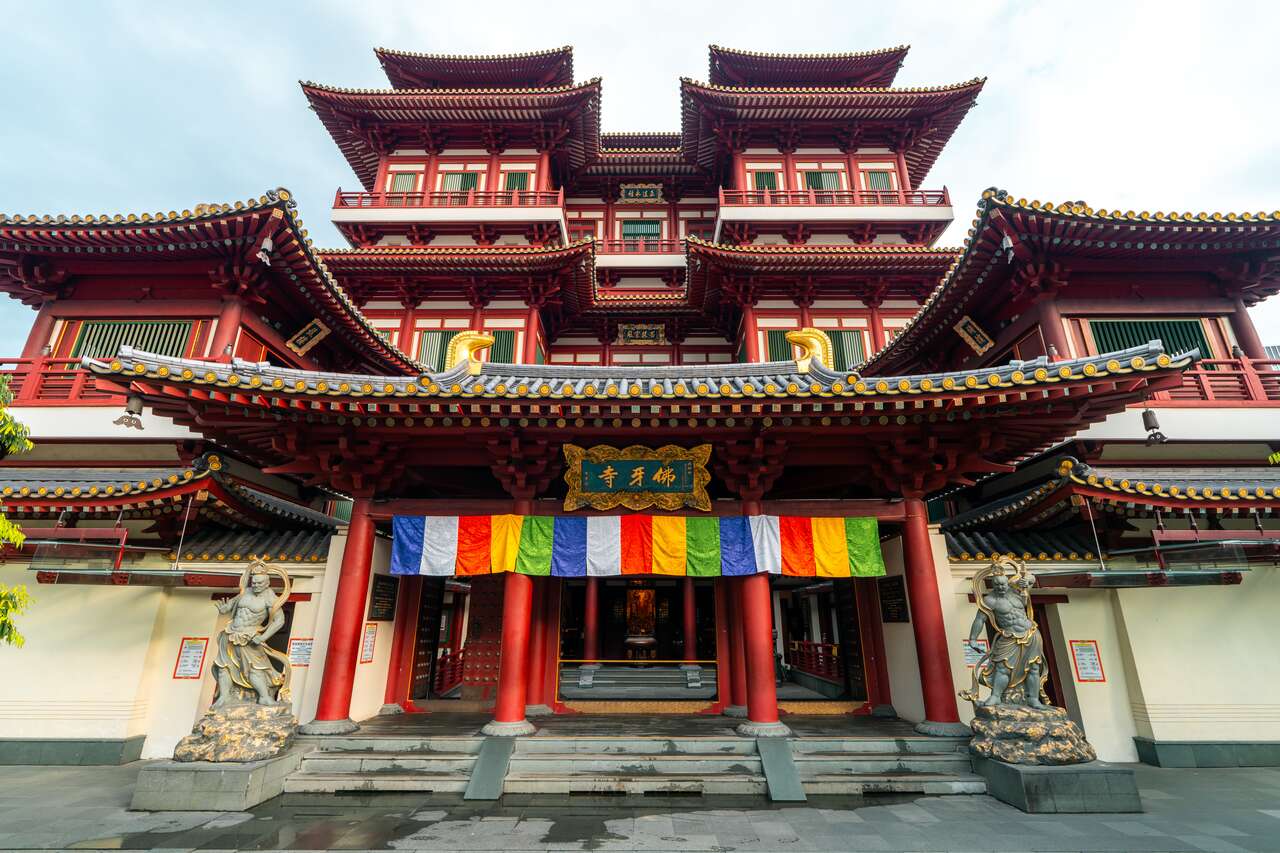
{"x": 642, "y": 334}
{"x": 307, "y": 337}
{"x": 973, "y": 335}
{"x": 636, "y": 477}
{"x": 639, "y": 193}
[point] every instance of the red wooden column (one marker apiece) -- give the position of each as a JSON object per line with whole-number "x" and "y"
{"x": 333, "y": 710}
{"x": 1051, "y": 329}
{"x": 724, "y": 655}
{"x": 400, "y": 667}
{"x": 1246, "y": 335}
{"x": 513, "y": 667}
{"x": 591, "y": 624}
{"x": 757, "y": 640}
{"x": 690, "y": 626}
{"x": 941, "y": 715}
{"x": 228, "y": 327}
{"x": 536, "y": 697}
{"x": 404, "y": 337}
{"x": 531, "y": 327}
{"x": 871, "y": 632}
{"x": 41, "y": 332}
{"x": 737, "y": 656}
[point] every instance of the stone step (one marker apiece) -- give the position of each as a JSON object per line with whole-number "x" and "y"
{"x": 332, "y": 783}
{"x": 896, "y": 783}
{"x": 812, "y": 765}
{"x": 388, "y": 762}
{"x": 583, "y": 764}
{"x": 913, "y": 745}
{"x": 564, "y": 783}
{"x": 636, "y": 746}
{"x": 571, "y": 679}
{"x": 395, "y": 743}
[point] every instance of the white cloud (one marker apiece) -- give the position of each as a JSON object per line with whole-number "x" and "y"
{"x": 1156, "y": 106}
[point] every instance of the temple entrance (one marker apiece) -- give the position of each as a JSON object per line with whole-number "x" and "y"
{"x": 820, "y": 641}
{"x": 439, "y": 640}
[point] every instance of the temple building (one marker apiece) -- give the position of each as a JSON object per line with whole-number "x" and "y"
{"x": 689, "y": 424}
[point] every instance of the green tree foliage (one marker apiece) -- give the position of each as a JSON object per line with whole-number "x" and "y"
{"x": 13, "y": 601}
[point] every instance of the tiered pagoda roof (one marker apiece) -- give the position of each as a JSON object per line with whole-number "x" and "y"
{"x": 1012, "y": 236}
{"x": 729, "y": 67}
{"x": 408, "y": 70}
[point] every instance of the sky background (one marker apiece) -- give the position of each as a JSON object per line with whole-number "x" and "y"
{"x": 131, "y": 106}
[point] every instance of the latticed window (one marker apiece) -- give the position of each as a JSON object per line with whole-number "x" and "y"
{"x": 503, "y": 350}
{"x": 459, "y": 182}
{"x": 515, "y": 181}
{"x": 878, "y": 179}
{"x": 780, "y": 348}
{"x": 103, "y": 338}
{"x": 1176, "y": 335}
{"x": 433, "y": 349}
{"x": 822, "y": 180}
{"x": 765, "y": 180}
{"x": 404, "y": 182}
{"x": 848, "y": 349}
{"x": 641, "y": 229}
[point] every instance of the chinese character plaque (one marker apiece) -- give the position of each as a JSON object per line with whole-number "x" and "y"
{"x": 604, "y": 477}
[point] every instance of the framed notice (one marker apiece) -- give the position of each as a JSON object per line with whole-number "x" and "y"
{"x": 972, "y": 656}
{"x": 300, "y": 650}
{"x": 190, "y": 662}
{"x": 893, "y": 599}
{"x": 368, "y": 642}
{"x": 1087, "y": 660}
{"x": 382, "y": 598}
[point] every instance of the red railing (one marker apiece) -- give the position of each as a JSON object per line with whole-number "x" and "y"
{"x": 820, "y": 659}
{"x": 53, "y": 381}
{"x": 465, "y": 198}
{"x": 640, "y": 247}
{"x": 1226, "y": 380}
{"x": 449, "y": 668}
{"x": 835, "y": 198}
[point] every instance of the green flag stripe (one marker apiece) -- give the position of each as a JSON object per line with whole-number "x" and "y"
{"x": 536, "y": 536}
{"x": 702, "y": 547}
{"x": 862, "y": 535}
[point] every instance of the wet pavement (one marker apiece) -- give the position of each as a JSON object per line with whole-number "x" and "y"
{"x": 86, "y": 808}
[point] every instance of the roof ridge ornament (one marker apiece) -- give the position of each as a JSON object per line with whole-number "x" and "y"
{"x": 466, "y": 346}
{"x": 813, "y": 343}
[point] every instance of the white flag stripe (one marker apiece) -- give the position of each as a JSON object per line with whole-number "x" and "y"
{"x": 766, "y": 537}
{"x": 604, "y": 545}
{"x": 439, "y": 545}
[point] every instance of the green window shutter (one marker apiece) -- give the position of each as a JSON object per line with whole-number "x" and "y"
{"x": 878, "y": 180}
{"x": 847, "y": 350}
{"x": 404, "y": 182}
{"x": 822, "y": 180}
{"x": 1177, "y": 335}
{"x": 779, "y": 347}
{"x": 765, "y": 180}
{"x": 341, "y": 510}
{"x": 641, "y": 229}
{"x": 459, "y": 182}
{"x": 503, "y": 350}
{"x": 433, "y": 349}
{"x": 516, "y": 181}
{"x": 742, "y": 351}
{"x": 103, "y": 338}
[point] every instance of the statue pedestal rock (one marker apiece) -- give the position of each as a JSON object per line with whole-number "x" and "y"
{"x": 239, "y": 752}
{"x": 1032, "y": 756}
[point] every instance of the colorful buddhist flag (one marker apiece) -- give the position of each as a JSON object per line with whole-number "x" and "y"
{"x": 606, "y": 546}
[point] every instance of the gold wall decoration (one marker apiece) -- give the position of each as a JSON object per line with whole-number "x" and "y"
{"x": 639, "y": 193}
{"x": 974, "y": 335}
{"x": 637, "y": 477}
{"x": 307, "y": 337}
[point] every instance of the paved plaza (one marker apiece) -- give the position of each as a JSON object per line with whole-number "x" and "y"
{"x": 86, "y": 808}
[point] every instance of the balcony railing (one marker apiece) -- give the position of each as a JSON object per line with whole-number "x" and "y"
{"x": 835, "y": 198}
{"x": 465, "y": 198}
{"x": 47, "y": 381}
{"x": 820, "y": 659}
{"x": 1225, "y": 380}
{"x": 640, "y": 247}
{"x": 449, "y": 670}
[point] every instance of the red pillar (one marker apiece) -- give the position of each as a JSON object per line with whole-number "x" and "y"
{"x": 535, "y": 697}
{"x": 941, "y": 715}
{"x": 513, "y": 666}
{"x": 404, "y": 337}
{"x": 871, "y": 633}
{"x": 737, "y": 655}
{"x": 1051, "y": 329}
{"x": 228, "y": 327}
{"x": 333, "y": 710}
{"x": 724, "y": 655}
{"x": 756, "y": 607}
{"x": 690, "y": 624}
{"x": 1246, "y": 335}
{"x": 749, "y": 333}
{"x": 531, "y": 327}
{"x": 41, "y": 332}
{"x": 396, "y": 696}
{"x": 591, "y": 623}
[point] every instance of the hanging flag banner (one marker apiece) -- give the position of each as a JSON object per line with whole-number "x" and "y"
{"x": 604, "y": 546}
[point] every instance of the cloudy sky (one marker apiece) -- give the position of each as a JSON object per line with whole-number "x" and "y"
{"x": 130, "y": 106}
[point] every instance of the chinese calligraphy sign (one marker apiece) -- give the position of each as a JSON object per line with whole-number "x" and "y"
{"x": 604, "y": 477}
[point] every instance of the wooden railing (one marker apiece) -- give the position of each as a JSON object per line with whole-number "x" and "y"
{"x": 640, "y": 247}
{"x": 449, "y": 667}
{"x": 1225, "y": 380}
{"x": 834, "y": 198}
{"x": 48, "y": 381}
{"x": 463, "y": 198}
{"x": 820, "y": 659}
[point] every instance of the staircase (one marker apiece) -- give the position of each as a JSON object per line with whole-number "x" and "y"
{"x": 385, "y": 763}
{"x": 920, "y": 765}
{"x": 637, "y": 682}
{"x": 622, "y": 765}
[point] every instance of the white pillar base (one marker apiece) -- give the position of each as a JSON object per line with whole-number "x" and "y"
{"x": 750, "y": 729}
{"x": 493, "y": 728}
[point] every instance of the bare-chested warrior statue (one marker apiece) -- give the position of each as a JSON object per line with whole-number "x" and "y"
{"x": 243, "y": 659}
{"x": 1014, "y": 667}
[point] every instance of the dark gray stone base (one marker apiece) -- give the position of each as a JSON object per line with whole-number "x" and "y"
{"x": 71, "y": 751}
{"x": 328, "y": 727}
{"x": 1205, "y": 753}
{"x": 209, "y": 786}
{"x": 932, "y": 729}
{"x": 1095, "y": 787}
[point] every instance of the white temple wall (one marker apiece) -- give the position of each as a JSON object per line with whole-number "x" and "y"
{"x": 900, "y": 650}
{"x": 370, "y": 684}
